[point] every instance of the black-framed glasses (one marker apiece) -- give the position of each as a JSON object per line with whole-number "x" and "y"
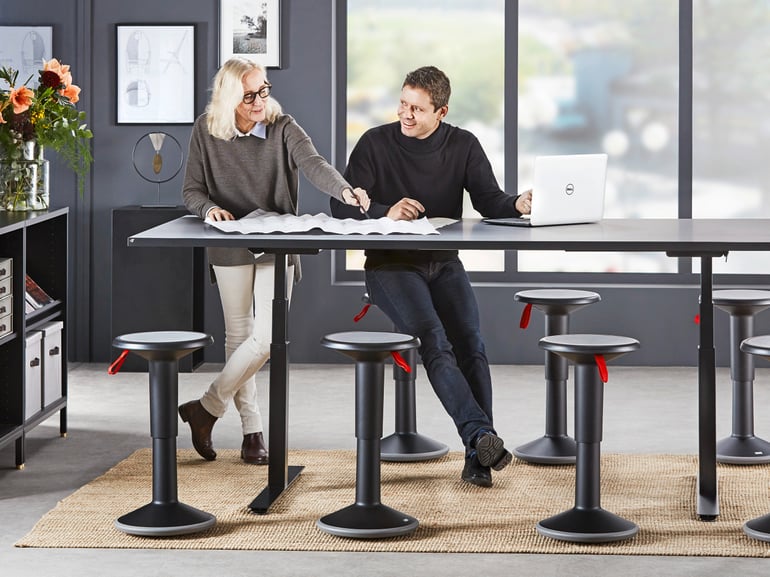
{"x": 264, "y": 92}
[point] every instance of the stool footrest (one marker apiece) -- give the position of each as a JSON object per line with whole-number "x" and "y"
{"x": 162, "y": 519}
{"x": 587, "y": 526}
{"x": 367, "y": 522}
{"x": 547, "y": 450}
{"x": 403, "y": 447}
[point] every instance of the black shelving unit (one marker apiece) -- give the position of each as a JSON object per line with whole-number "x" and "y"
{"x": 37, "y": 243}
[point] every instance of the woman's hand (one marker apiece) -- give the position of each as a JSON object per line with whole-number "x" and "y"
{"x": 219, "y": 214}
{"x": 356, "y": 197}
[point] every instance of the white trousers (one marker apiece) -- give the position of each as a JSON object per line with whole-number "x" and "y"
{"x": 246, "y": 293}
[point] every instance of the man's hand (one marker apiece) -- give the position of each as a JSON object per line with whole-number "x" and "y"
{"x": 406, "y": 209}
{"x": 524, "y": 202}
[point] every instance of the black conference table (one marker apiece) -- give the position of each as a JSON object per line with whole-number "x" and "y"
{"x": 703, "y": 238}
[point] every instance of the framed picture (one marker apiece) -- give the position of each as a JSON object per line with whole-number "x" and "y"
{"x": 250, "y": 28}
{"x": 24, "y": 48}
{"x": 155, "y": 73}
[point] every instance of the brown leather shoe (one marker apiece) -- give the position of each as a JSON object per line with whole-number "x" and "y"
{"x": 253, "y": 450}
{"x": 201, "y": 423}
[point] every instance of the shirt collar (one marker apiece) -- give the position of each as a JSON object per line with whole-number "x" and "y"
{"x": 259, "y": 130}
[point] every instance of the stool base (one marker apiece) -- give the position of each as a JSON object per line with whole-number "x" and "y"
{"x": 560, "y": 450}
{"x": 405, "y": 447}
{"x": 587, "y": 526}
{"x": 163, "y": 519}
{"x": 758, "y": 528}
{"x": 743, "y": 451}
{"x": 367, "y": 522}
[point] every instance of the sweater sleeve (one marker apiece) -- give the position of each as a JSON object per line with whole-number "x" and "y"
{"x": 320, "y": 173}
{"x": 360, "y": 172}
{"x": 195, "y": 193}
{"x": 482, "y": 186}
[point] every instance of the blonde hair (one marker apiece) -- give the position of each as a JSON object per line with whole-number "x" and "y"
{"x": 226, "y": 95}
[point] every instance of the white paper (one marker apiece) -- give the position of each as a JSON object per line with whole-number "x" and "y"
{"x": 260, "y": 221}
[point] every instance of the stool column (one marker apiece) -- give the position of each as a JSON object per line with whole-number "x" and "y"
{"x": 556, "y": 374}
{"x": 742, "y": 375}
{"x": 164, "y": 386}
{"x": 589, "y": 401}
{"x": 369, "y": 394}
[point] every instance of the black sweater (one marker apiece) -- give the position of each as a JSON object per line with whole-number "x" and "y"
{"x": 435, "y": 171}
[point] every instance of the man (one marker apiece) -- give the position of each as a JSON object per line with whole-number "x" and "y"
{"x": 420, "y": 166}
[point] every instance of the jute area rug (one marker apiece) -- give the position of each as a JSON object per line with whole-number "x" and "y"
{"x": 655, "y": 491}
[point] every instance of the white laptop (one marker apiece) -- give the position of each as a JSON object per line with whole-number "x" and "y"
{"x": 567, "y": 189}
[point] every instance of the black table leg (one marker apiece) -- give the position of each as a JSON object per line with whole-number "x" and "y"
{"x": 279, "y": 474}
{"x": 707, "y": 498}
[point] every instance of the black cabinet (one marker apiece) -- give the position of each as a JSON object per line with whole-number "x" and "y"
{"x": 153, "y": 289}
{"x": 33, "y": 244}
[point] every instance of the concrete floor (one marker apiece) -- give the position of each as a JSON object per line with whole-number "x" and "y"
{"x": 647, "y": 410}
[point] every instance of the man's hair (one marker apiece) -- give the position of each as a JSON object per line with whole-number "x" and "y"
{"x": 433, "y": 81}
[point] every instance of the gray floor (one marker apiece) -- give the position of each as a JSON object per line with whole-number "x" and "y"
{"x": 649, "y": 410}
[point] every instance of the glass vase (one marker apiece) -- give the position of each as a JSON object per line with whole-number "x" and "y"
{"x": 24, "y": 182}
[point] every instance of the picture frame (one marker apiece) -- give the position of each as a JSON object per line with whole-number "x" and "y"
{"x": 24, "y": 48}
{"x": 252, "y": 29}
{"x": 155, "y": 73}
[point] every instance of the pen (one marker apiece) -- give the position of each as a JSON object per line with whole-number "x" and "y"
{"x": 365, "y": 212}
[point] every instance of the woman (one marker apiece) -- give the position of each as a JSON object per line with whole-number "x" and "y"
{"x": 246, "y": 154}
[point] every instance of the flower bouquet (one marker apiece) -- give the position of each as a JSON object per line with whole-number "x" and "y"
{"x": 32, "y": 119}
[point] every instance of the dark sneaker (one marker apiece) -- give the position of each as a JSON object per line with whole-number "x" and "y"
{"x": 491, "y": 451}
{"x": 475, "y": 473}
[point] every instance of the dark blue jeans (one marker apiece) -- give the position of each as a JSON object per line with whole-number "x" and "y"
{"x": 435, "y": 302}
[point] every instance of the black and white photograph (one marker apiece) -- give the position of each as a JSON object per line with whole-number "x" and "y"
{"x": 24, "y": 48}
{"x": 155, "y": 74}
{"x": 250, "y": 28}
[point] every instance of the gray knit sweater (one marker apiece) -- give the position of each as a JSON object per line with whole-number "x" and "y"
{"x": 247, "y": 173}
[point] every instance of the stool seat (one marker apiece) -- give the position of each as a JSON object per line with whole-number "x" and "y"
{"x": 583, "y": 347}
{"x": 557, "y": 300}
{"x": 367, "y": 517}
{"x": 742, "y": 447}
{"x": 758, "y": 528}
{"x": 587, "y": 521}
{"x": 164, "y": 515}
{"x": 163, "y": 344}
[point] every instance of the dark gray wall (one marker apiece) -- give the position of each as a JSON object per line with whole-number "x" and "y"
{"x": 84, "y": 36}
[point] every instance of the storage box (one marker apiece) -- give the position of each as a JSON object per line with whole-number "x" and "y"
{"x": 6, "y": 267}
{"x": 33, "y": 374}
{"x": 53, "y": 361}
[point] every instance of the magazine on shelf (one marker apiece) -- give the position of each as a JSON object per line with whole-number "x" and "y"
{"x": 35, "y": 295}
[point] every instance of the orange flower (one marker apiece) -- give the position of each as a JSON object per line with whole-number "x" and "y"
{"x": 71, "y": 92}
{"x": 21, "y": 98}
{"x": 2, "y": 120}
{"x": 63, "y": 70}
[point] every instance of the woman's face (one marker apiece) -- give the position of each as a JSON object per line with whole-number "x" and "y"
{"x": 247, "y": 115}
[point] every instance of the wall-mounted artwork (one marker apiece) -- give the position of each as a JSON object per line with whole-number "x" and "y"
{"x": 250, "y": 28}
{"x": 24, "y": 48}
{"x": 155, "y": 74}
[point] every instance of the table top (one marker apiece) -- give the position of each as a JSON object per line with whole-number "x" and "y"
{"x": 686, "y": 236}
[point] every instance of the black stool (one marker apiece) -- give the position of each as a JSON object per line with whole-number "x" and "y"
{"x": 406, "y": 444}
{"x": 758, "y": 528}
{"x": 742, "y": 447}
{"x": 555, "y": 447}
{"x": 587, "y": 522}
{"x": 165, "y": 515}
{"x": 368, "y": 518}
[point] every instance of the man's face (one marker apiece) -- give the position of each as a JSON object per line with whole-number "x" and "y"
{"x": 416, "y": 113}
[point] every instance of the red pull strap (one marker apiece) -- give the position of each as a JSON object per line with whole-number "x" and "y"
{"x": 399, "y": 360}
{"x": 115, "y": 366}
{"x": 363, "y": 312}
{"x": 525, "y": 314}
{"x": 602, "y": 367}
{"x": 696, "y": 319}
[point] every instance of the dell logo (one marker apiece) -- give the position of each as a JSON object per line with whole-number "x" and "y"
{"x": 570, "y": 189}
